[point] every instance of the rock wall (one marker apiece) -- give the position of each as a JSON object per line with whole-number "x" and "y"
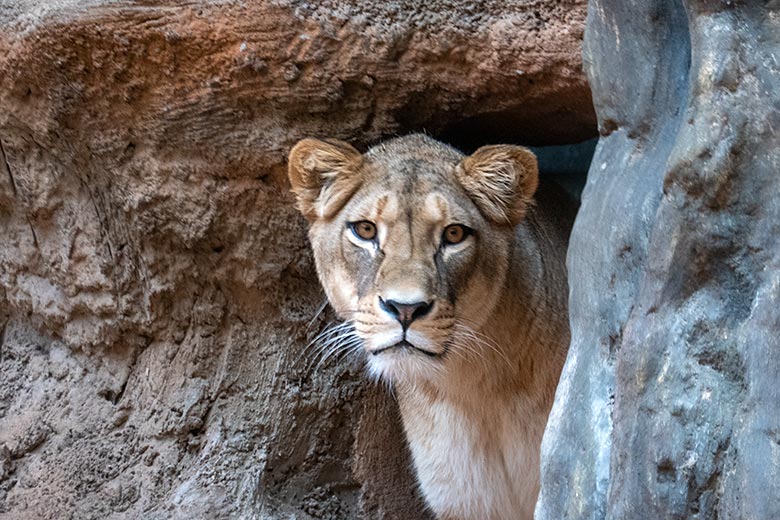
{"x": 669, "y": 404}
{"x": 156, "y": 291}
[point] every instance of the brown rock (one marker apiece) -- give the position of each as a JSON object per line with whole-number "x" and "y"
{"x": 156, "y": 291}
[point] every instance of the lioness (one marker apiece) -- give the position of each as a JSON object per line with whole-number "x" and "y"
{"x": 452, "y": 279}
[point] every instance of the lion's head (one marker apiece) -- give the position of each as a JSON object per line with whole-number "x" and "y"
{"x": 412, "y": 242}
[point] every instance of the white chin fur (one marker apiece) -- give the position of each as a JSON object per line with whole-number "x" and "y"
{"x": 400, "y": 365}
{"x": 405, "y": 365}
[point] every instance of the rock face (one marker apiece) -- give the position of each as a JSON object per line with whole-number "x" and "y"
{"x": 669, "y": 404}
{"x": 156, "y": 290}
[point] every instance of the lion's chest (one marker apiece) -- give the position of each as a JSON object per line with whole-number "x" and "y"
{"x": 477, "y": 463}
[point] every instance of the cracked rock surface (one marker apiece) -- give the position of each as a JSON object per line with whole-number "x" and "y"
{"x": 156, "y": 289}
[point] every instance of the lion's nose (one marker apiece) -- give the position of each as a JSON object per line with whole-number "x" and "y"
{"x": 405, "y": 313}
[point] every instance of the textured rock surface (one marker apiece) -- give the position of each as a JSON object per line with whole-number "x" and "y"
{"x": 669, "y": 405}
{"x": 156, "y": 291}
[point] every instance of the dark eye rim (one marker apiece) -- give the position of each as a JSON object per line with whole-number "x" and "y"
{"x": 467, "y": 232}
{"x": 353, "y": 227}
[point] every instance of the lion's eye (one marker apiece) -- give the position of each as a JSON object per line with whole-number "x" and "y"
{"x": 455, "y": 234}
{"x": 364, "y": 229}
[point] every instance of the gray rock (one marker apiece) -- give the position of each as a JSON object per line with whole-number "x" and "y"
{"x": 669, "y": 403}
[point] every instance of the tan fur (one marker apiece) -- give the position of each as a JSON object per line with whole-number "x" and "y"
{"x": 476, "y": 389}
{"x": 502, "y": 179}
{"x": 324, "y": 174}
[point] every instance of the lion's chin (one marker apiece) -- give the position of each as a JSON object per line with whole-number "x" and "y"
{"x": 404, "y": 361}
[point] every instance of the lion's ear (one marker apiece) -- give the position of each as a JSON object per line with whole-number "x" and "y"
{"x": 323, "y": 174}
{"x": 501, "y": 180}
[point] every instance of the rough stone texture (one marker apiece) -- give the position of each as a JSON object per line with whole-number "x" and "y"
{"x": 156, "y": 290}
{"x": 669, "y": 404}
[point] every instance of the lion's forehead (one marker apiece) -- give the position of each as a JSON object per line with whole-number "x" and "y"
{"x": 388, "y": 206}
{"x": 392, "y": 194}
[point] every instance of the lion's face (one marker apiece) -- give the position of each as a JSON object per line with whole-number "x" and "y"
{"x": 413, "y": 265}
{"x": 411, "y": 246}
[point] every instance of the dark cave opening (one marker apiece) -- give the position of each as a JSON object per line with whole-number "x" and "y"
{"x": 565, "y": 164}
{"x": 564, "y": 154}
{"x": 562, "y": 134}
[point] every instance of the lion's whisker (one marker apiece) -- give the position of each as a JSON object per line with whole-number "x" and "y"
{"x": 320, "y": 310}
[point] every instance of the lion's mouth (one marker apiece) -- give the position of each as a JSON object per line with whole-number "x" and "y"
{"x": 405, "y": 345}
